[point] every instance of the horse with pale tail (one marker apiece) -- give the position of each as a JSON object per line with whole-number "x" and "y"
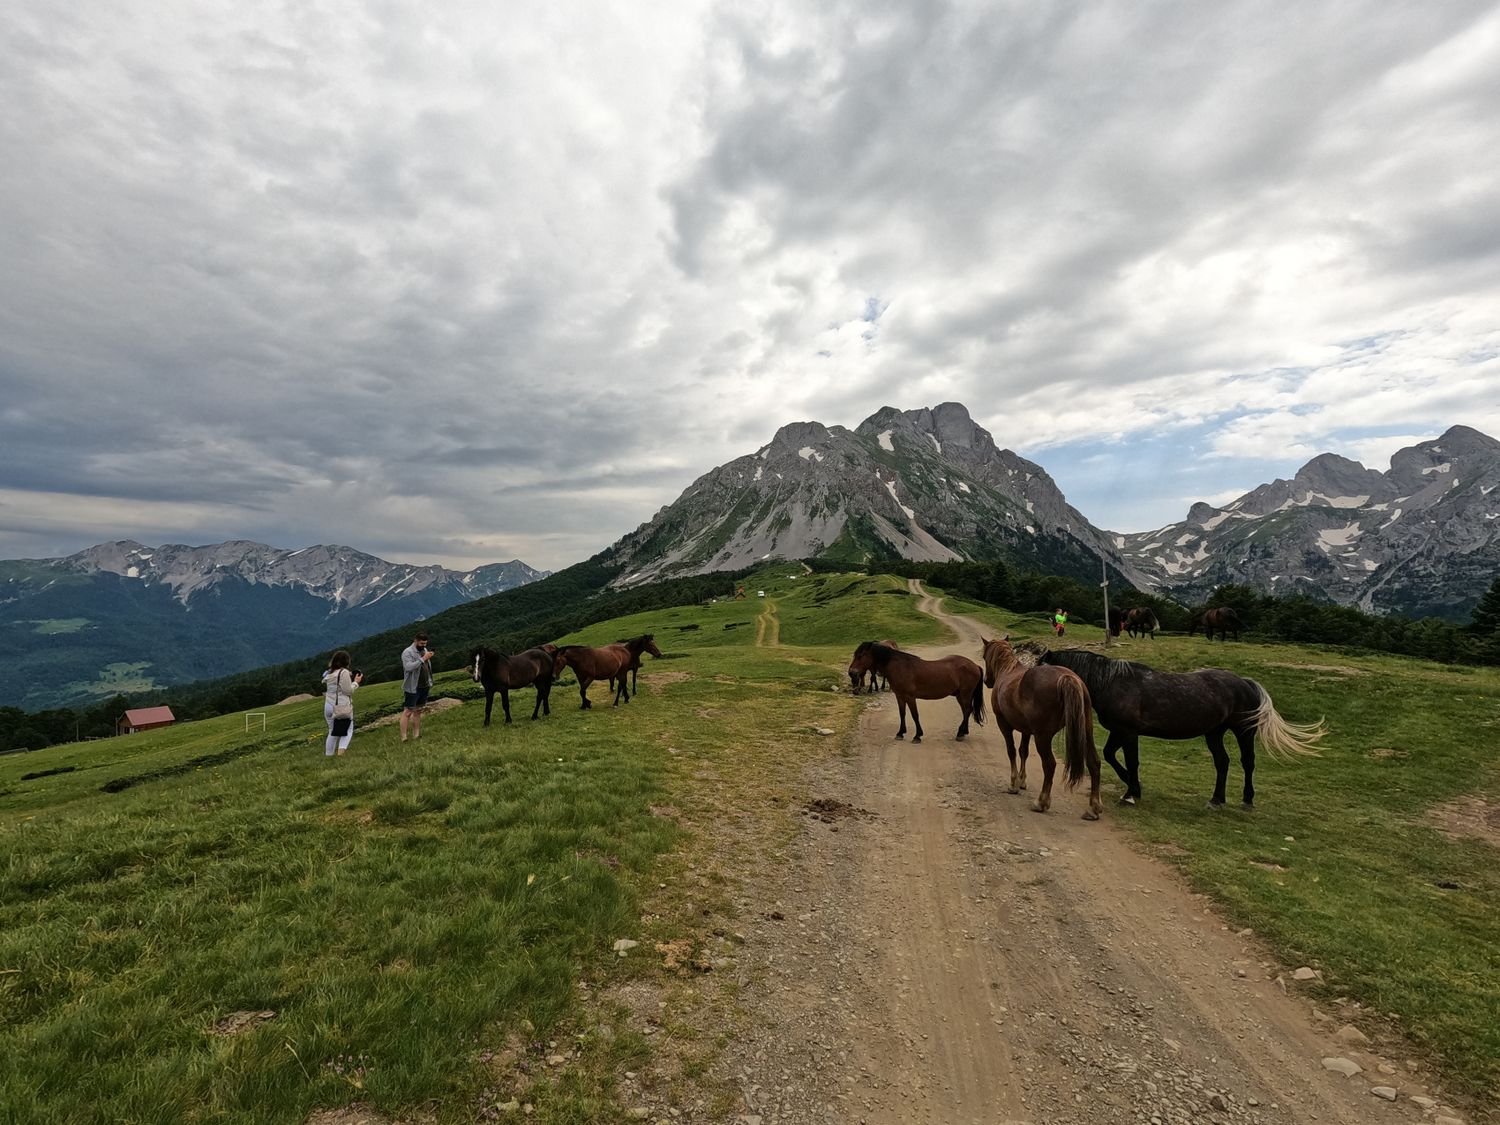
{"x": 1038, "y": 702}
{"x": 1134, "y": 700}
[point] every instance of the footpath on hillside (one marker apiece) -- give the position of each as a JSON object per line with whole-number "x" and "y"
{"x": 932, "y": 950}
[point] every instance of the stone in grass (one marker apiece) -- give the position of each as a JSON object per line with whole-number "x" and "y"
{"x": 1304, "y": 973}
{"x": 1218, "y": 1101}
{"x": 1347, "y": 1067}
{"x": 1350, "y": 1034}
{"x": 1386, "y": 1092}
{"x": 1424, "y": 1102}
{"x": 624, "y": 945}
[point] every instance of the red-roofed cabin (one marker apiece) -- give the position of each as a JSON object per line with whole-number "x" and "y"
{"x": 144, "y": 718}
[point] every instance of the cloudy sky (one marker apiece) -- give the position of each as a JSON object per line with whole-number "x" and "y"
{"x": 467, "y": 282}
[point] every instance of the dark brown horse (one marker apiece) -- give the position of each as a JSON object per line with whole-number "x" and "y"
{"x": 1133, "y": 700}
{"x": 1223, "y": 621}
{"x": 1038, "y": 702}
{"x": 611, "y": 662}
{"x": 500, "y": 672}
{"x": 913, "y": 678}
{"x": 1141, "y": 622}
{"x": 644, "y": 643}
{"x": 857, "y": 679}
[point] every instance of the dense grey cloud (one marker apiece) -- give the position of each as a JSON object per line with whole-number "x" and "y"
{"x": 466, "y": 284}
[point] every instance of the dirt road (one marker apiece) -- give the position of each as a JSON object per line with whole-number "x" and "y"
{"x": 956, "y": 957}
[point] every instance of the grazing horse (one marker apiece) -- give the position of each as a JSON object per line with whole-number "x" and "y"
{"x": 913, "y": 678}
{"x": 857, "y": 679}
{"x": 644, "y": 643}
{"x": 612, "y": 662}
{"x": 1141, "y": 622}
{"x": 1133, "y": 700}
{"x": 1038, "y": 702}
{"x": 500, "y": 672}
{"x": 1223, "y": 621}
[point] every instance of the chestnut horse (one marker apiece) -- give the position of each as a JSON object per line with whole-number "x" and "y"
{"x": 913, "y": 678}
{"x": 644, "y": 643}
{"x": 1038, "y": 702}
{"x": 612, "y": 663}
{"x": 1223, "y": 621}
{"x": 857, "y": 679}
{"x": 500, "y": 672}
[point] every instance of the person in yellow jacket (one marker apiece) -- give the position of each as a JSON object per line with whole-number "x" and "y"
{"x": 1060, "y": 621}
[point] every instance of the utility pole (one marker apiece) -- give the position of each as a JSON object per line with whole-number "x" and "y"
{"x": 1109, "y": 635}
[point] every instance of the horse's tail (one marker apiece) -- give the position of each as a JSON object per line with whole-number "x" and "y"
{"x": 1279, "y": 736}
{"x": 976, "y": 703}
{"x": 1078, "y": 722}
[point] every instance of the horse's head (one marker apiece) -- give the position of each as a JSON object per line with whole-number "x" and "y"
{"x": 650, "y": 639}
{"x": 1195, "y": 622}
{"x": 477, "y": 656}
{"x": 997, "y": 653}
{"x": 856, "y": 679}
{"x": 863, "y": 659}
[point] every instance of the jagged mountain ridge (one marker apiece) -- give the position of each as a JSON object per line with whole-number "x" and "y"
{"x": 1422, "y": 538}
{"x": 124, "y": 617}
{"x": 344, "y": 577}
{"x": 916, "y": 484}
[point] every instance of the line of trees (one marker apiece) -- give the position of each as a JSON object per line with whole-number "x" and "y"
{"x": 1298, "y": 620}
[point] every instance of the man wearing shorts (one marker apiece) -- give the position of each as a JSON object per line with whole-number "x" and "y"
{"x": 416, "y": 681}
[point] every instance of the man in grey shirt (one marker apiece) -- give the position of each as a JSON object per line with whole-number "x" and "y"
{"x": 416, "y": 681}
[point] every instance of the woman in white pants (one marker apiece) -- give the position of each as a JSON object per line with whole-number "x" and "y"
{"x": 339, "y": 686}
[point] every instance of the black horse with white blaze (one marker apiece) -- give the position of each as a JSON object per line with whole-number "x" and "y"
{"x": 500, "y": 672}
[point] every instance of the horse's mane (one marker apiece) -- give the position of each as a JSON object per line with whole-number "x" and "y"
{"x": 880, "y": 654}
{"x": 1106, "y": 668}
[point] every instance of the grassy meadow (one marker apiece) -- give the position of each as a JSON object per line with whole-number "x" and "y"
{"x": 433, "y": 922}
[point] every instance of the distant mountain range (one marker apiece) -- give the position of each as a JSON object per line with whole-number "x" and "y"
{"x": 916, "y": 484}
{"x": 1422, "y": 538}
{"x": 124, "y": 617}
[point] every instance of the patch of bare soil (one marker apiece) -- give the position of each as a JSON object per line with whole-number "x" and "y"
{"x": 356, "y": 1114}
{"x": 1336, "y": 669}
{"x": 1470, "y": 817}
{"x": 437, "y": 706}
{"x": 303, "y": 698}
{"x": 828, "y": 810}
{"x": 238, "y": 1022}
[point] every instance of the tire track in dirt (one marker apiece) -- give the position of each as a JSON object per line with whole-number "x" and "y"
{"x": 768, "y": 626}
{"x": 959, "y": 958}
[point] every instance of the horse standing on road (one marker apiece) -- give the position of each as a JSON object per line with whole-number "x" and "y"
{"x": 1132, "y": 700}
{"x": 1038, "y": 702}
{"x": 913, "y": 678}
{"x": 1223, "y": 621}
{"x": 498, "y": 671}
{"x": 857, "y": 679}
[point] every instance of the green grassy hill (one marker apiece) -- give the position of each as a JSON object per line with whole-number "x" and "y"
{"x": 429, "y": 921}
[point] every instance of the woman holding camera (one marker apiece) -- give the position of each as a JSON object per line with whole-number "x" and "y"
{"x": 339, "y": 685}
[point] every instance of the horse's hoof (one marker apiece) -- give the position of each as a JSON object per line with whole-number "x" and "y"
{"x": 1037, "y": 806}
{"x": 1248, "y": 806}
{"x": 902, "y": 737}
{"x": 959, "y": 737}
{"x": 1091, "y": 815}
{"x": 916, "y": 740}
{"x": 1216, "y": 806}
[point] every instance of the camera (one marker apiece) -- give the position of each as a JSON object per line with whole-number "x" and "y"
{"x": 358, "y": 673}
